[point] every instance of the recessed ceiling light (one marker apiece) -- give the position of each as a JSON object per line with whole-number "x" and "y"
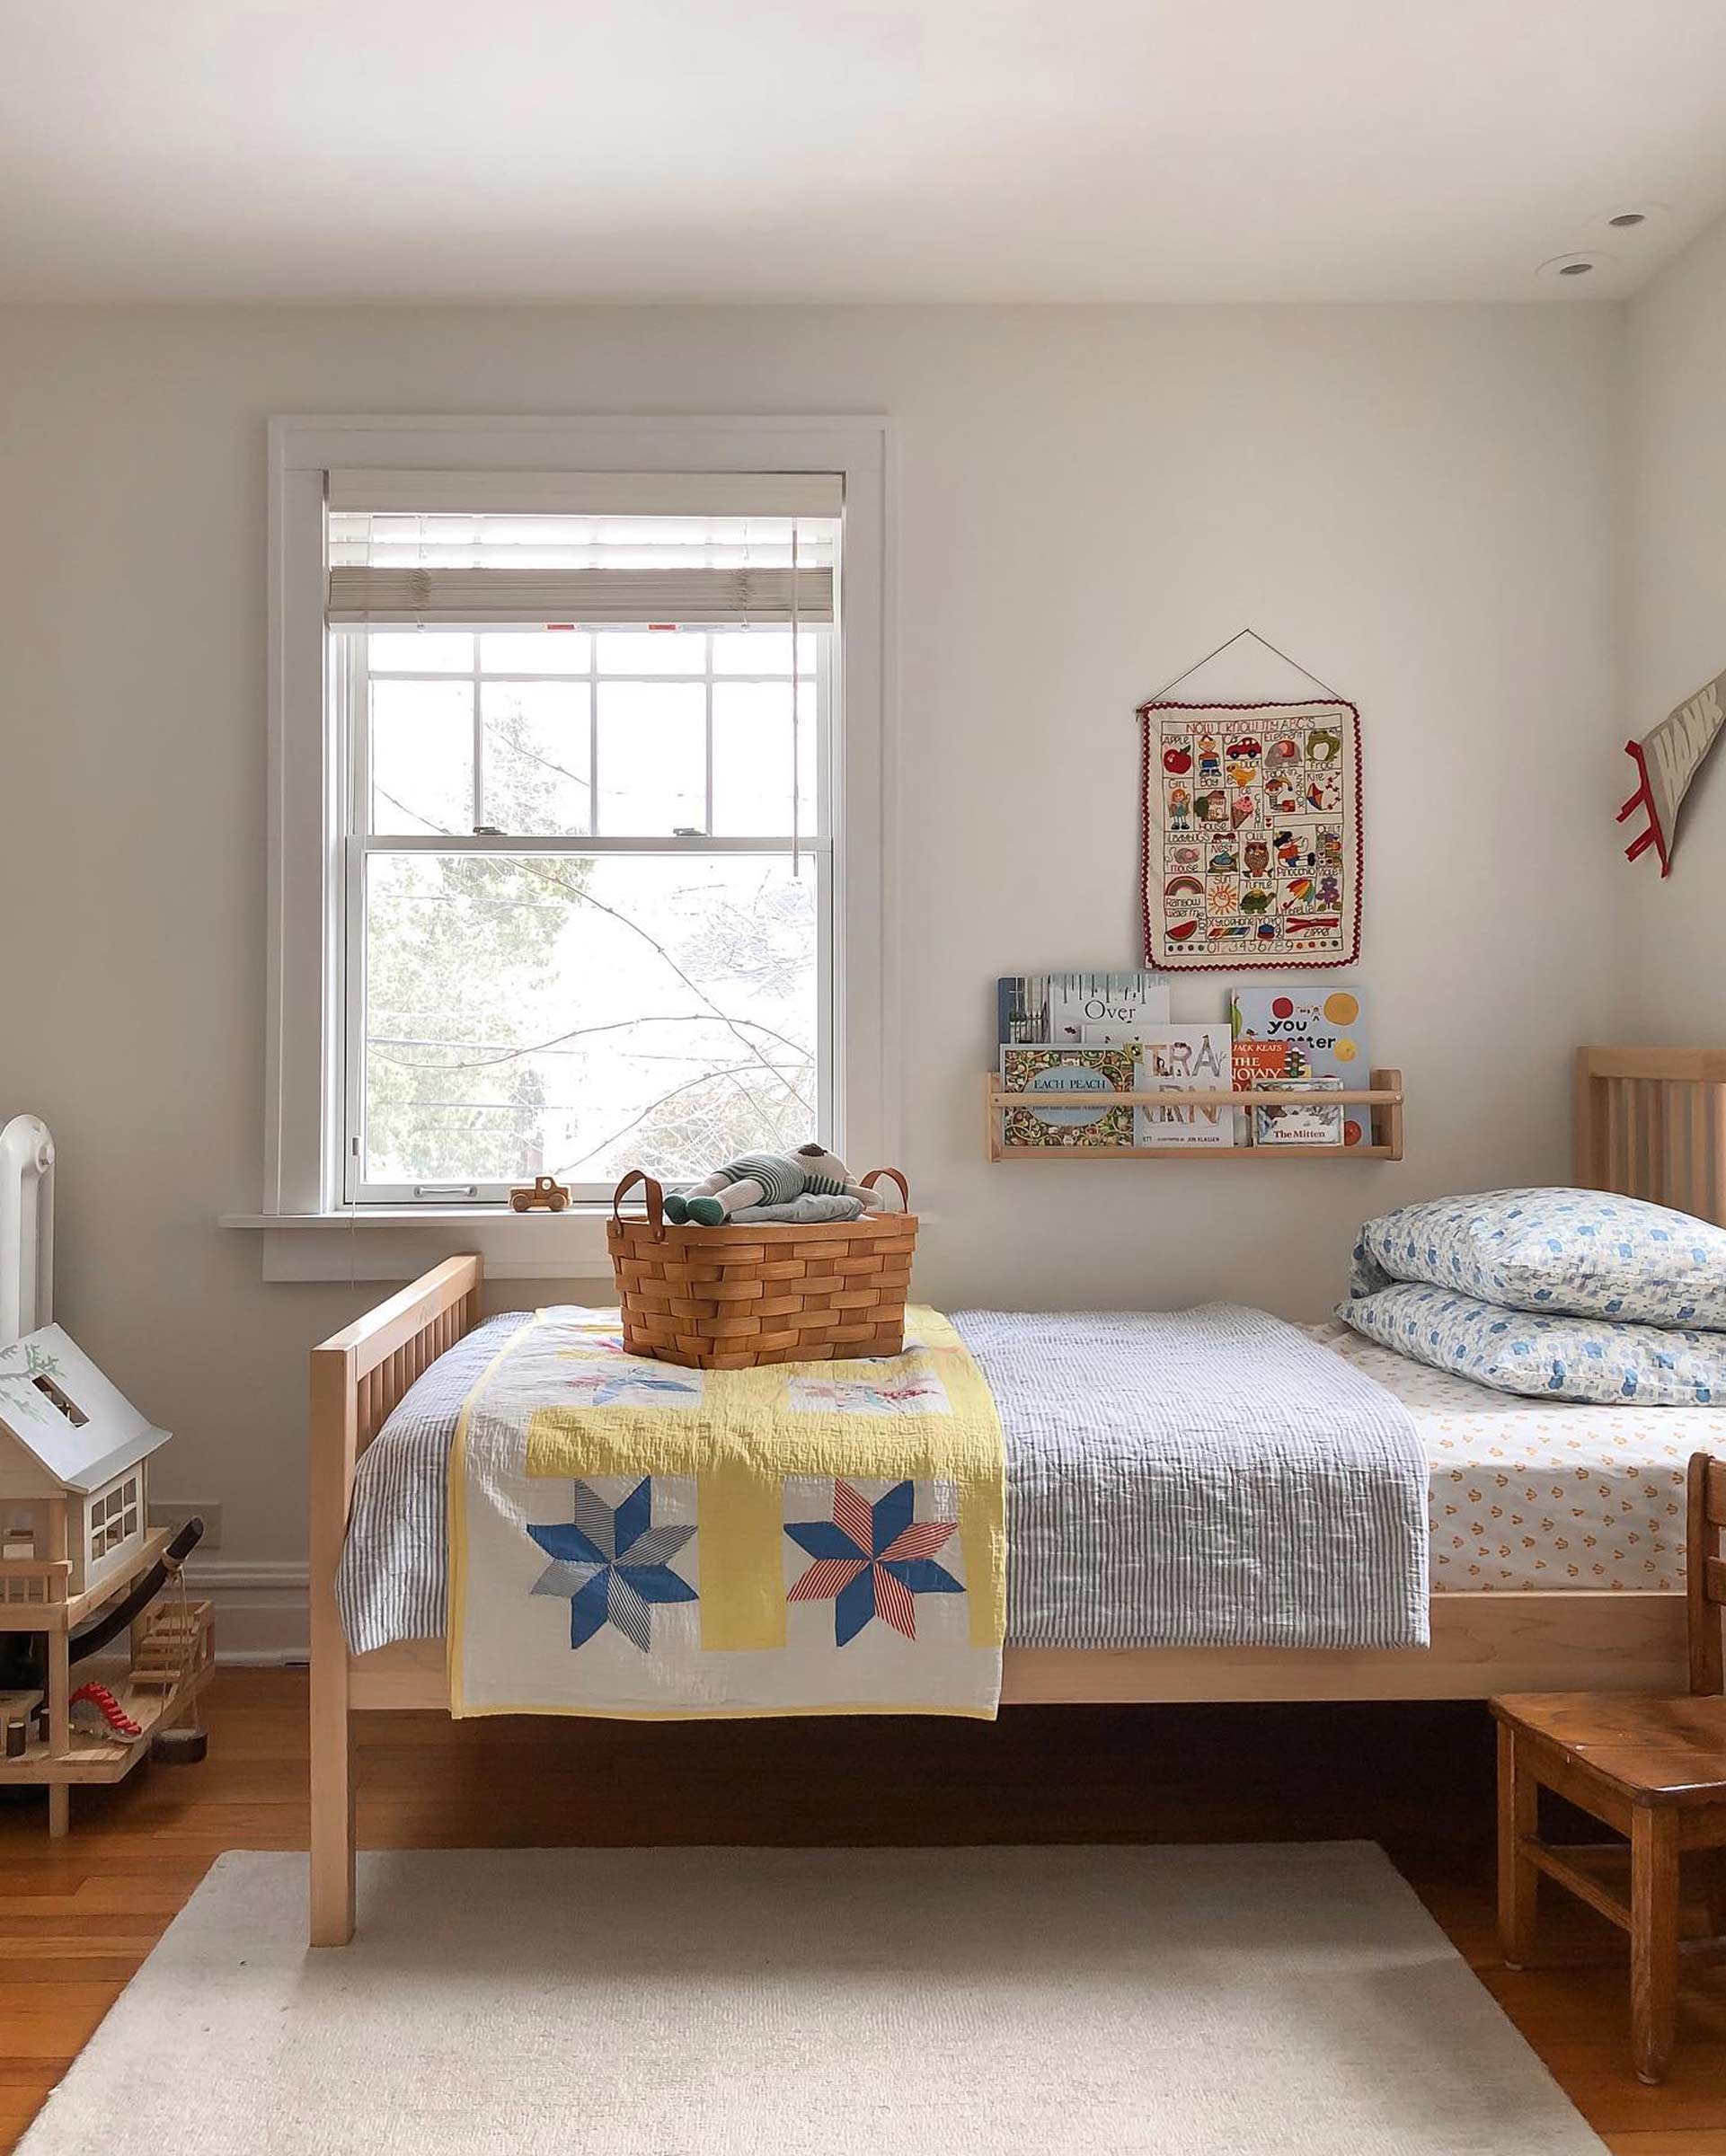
{"x": 1640, "y": 222}
{"x": 1573, "y": 269}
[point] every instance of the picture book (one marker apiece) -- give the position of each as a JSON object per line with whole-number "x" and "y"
{"x": 1091, "y": 1075}
{"x": 1319, "y": 1033}
{"x": 1078, "y": 1010}
{"x": 1021, "y": 1008}
{"x": 1300, "y": 1122}
{"x": 1259, "y": 1061}
{"x": 1185, "y": 1059}
{"x": 1105, "y": 1009}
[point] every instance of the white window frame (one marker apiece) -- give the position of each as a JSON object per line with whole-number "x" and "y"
{"x": 311, "y": 1224}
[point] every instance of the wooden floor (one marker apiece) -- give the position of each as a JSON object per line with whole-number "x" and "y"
{"x": 77, "y": 1917}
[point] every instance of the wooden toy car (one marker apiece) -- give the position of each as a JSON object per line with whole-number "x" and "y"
{"x": 544, "y": 1190}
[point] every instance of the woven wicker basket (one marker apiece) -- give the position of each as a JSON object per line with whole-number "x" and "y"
{"x": 731, "y": 1298}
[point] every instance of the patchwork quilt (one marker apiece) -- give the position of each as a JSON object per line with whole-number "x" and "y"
{"x": 630, "y": 1538}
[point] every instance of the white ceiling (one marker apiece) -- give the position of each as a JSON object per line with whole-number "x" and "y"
{"x": 761, "y": 150}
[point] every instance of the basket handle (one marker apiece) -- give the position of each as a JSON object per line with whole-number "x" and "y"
{"x": 654, "y": 1198}
{"x": 874, "y": 1176}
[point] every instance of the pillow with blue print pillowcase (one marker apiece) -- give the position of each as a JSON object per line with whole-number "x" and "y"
{"x": 1591, "y": 1360}
{"x": 1575, "y": 1253}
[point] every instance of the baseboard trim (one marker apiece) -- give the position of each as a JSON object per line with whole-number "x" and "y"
{"x": 261, "y": 1609}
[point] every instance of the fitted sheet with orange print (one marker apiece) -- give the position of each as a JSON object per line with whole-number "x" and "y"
{"x": 1545, "y": 1495}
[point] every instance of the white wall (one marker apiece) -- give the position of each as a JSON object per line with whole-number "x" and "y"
{"x": 1418, "y": 502}
{"x": 1674, "y": 582}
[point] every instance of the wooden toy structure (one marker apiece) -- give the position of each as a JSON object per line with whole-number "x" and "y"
{"x": 74, "y": 1538}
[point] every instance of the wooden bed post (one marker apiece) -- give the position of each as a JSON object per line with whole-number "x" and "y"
{"x": 334, "y": 1448}
{"x": 358, "y": 1376}
{"x": 1586, "y": 1167}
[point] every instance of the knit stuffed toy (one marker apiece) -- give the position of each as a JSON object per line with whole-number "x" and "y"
{"x": 767, "y": 1178}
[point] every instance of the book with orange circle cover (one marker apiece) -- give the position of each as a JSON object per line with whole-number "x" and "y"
{"x": 1304, "y": 1031}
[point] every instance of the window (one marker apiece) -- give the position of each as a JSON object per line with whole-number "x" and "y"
{"x": 114, "y": 1517}
{"x": 588, "y": 861}
{"x": 575, "y": 831}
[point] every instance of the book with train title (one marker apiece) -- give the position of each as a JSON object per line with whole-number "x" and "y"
{"x": 1185, "y": 1059}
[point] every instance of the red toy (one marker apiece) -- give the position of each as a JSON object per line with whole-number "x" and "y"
{"x": 110, "y": 1709}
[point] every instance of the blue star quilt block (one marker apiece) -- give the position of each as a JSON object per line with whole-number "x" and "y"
{"x": 612, "y": 1564}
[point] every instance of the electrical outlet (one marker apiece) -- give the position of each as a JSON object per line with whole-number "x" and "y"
{"x": 170, "y": 1514}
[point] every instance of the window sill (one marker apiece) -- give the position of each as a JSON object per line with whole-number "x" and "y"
{"x": 398, "y": 1242}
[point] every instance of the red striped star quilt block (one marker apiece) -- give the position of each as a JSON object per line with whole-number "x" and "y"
{"x": 871, "y": 1560}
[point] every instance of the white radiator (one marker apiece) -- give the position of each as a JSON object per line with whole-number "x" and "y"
{"x": 26, "y": 1227}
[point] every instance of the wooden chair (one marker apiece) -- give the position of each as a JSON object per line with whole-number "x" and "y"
{"x": 1653, "y": 1769}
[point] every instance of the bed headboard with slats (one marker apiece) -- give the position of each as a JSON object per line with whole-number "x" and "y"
{"x": 1651, "y": 1123}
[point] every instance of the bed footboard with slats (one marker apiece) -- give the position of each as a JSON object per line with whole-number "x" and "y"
{"x": 1651, "y": 1123}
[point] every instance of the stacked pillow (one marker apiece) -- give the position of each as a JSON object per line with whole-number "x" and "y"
{"x": 1565, "y": 1294}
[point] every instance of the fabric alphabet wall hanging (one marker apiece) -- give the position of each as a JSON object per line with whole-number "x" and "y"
{"x": 1667, "y": 759}
{"x": 1251, "y": 827}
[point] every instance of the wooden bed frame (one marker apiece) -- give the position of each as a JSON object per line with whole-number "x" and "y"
{"x": 1649, "y": 1122}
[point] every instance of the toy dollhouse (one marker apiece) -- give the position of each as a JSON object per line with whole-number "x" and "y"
{"x": 79, "y": 1562}
{"x": 74, "y": 1469}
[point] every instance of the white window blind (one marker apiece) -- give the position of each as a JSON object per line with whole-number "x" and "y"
{"x": 586, "y": 493}
{"x": 469, "y": 599}
{"x": 391, "y": 567}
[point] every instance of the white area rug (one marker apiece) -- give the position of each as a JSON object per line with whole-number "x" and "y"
{"x": 714, "y": 2002}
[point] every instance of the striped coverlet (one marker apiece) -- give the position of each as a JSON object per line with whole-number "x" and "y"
{"x": 1210, "y": 1477}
